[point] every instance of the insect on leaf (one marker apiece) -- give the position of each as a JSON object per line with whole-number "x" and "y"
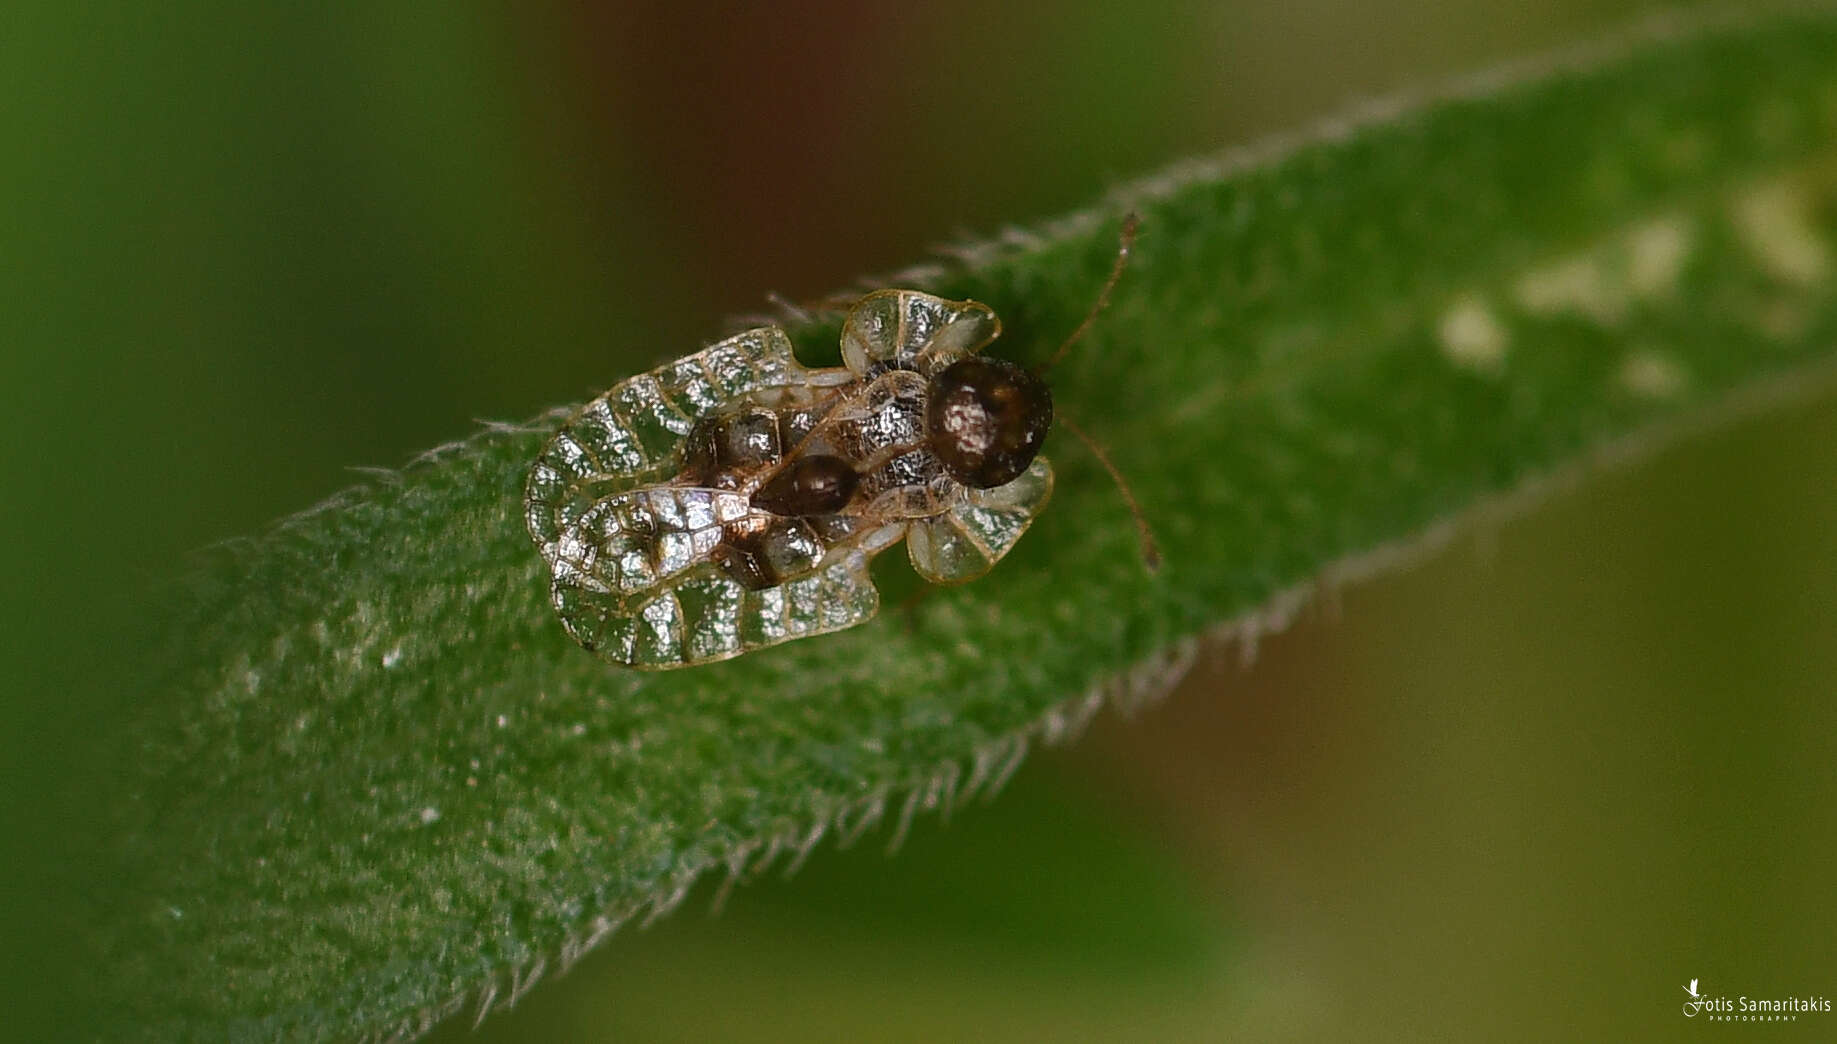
{"x": 379, "y": 784}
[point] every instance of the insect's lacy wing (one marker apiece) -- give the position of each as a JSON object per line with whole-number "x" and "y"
{"x": 914, "y": 330}
{"x": 633, "y": 434}
{"x": 633, "y": 582}
{"x": 966, "y": 541}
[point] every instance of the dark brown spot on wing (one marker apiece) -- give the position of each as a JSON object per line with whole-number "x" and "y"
{"x": 722, "y": 447}
{"x": 759, "y": 557}
{"x": 815, "y": 485}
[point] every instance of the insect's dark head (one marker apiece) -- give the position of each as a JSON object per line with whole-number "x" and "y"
{"x": 985, "y": 420}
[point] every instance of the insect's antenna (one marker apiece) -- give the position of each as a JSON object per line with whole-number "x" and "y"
{"x": 1151, "y": 552}
{"x": 1130, "y": 224}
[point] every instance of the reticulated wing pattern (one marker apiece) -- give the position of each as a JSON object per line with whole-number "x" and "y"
{"x": 631, "y": 575}
{"x": 633, "y": 434}
{"x": 634, "y": 584}
{"x": 913, "y": 330}
{"x": 966, "y": 541}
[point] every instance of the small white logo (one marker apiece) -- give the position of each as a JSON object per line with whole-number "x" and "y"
{"x": 1752, "y": 1009}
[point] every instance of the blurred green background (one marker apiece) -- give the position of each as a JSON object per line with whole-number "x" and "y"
{"x": 1524, "y": 791}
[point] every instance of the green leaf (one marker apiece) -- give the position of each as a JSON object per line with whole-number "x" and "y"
{"x": 377, "y": 785}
